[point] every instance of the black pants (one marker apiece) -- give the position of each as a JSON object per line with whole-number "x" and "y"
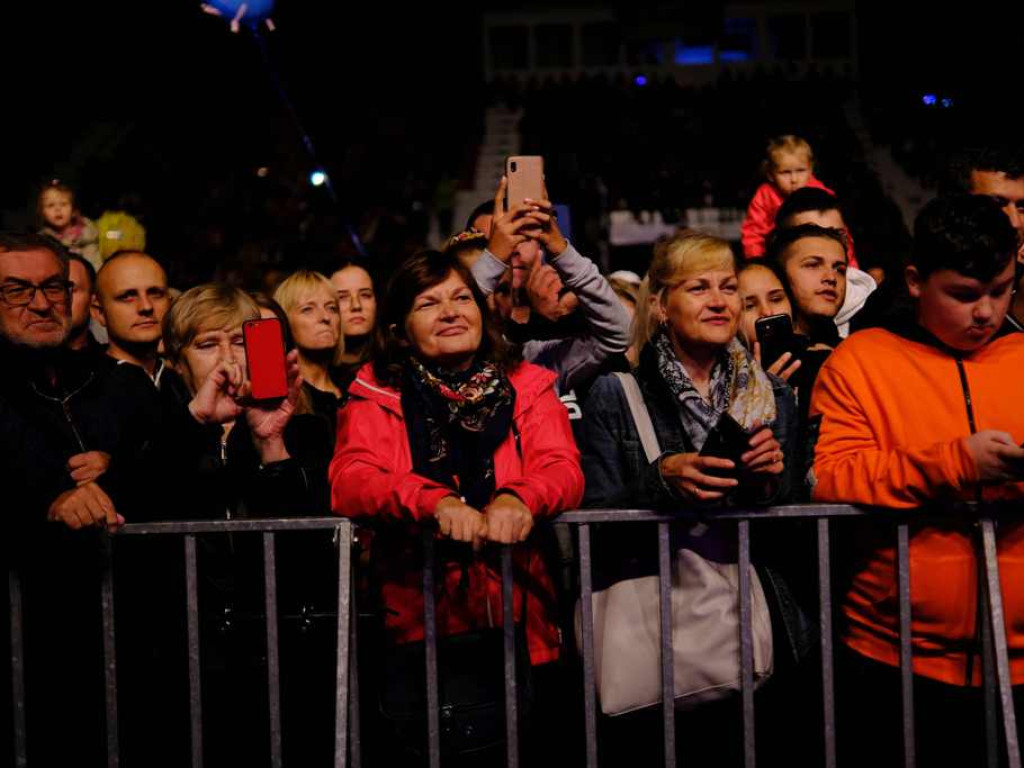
{"x": 949, "y": 720}
{"x": 552, "y": 735}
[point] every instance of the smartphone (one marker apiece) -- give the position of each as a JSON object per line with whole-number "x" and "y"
{"x": 525, "y": 174}
{"x": 775, "y": 335}
{"x": 265, "y": 358}
{"x": 728, "y": 440}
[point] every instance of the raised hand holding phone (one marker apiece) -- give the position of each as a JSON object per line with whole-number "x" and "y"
{"x": 509, "y": 225}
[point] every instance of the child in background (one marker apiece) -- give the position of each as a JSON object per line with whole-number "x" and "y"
{"x": 63, "y": 221}
{"x": 789, "y": 166}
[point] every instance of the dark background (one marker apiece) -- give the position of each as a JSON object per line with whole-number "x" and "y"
{"x": 155, "y": 107}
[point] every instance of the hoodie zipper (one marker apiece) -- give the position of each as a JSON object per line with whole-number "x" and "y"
{"x": 967, "y": 395}
{"x": 979, "y": 618}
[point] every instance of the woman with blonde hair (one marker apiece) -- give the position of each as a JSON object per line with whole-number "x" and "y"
{"x": 314, "y": 318}
{"x": 230, "y": 457}
{"x": 693, "y": 375}
{"x": 692, "y": 371}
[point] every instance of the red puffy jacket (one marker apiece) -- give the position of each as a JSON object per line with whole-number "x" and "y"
{"x": 371, "y": 476}
{"x": 760, "y": 219}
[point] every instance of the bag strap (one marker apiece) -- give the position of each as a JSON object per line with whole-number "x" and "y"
{"x": 641, "y": 416}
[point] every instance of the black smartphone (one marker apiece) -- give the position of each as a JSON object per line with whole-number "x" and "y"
{"x": 728, "y": 440}
{"x": 775, "y": 335}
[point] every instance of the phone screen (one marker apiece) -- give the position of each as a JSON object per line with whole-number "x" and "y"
{"x": 728, "y": 440}
{"x": 775, "y": 335}
{"x": 265, "y": 358}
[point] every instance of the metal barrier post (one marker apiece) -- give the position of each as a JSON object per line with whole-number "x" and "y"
{"x": 827, "y": 660}
{"x": 906, "y": 650}
{"x": 997, "y": 618}
{"x": 109, "y": 649}
{"x": 511, "y": 688}
{"x": 195, "y": 695}
{"x": 746, "y": 645}
{"x": 589, "y": 679}
{"x": 668, "y": 677}
{"x": 341, "y": 701}
{"x": 430, "y": 644}
{"x": 273, "y": 656}
{"x": 17, "y": 669}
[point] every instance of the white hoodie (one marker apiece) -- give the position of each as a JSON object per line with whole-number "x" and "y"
{"x": 859, "y": 285}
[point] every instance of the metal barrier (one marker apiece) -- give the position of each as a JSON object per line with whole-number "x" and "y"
{"x": 996, "y": 672}
{"x": 189, "y": 531}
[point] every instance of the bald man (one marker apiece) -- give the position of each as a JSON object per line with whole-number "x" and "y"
{"x": 130, "y": 301}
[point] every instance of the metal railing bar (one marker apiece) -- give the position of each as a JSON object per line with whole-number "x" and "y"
{"x": 231, "y": 526}
{"x": 997, "y": 618}
{"x": 511, "y": 688}
{"x": 341, "y": 692}
{"x": 746, "y": 645}
{"x": 827, "y": 657}
{"x": 906, "y": 649}
{"x": 109, "y": 650}
{"x": 589, "y": 669}
{"x": 430, "y": 645}
{"x": 668, "y": 679}
{"x": 273, "y": 656}
{"x": 195, "y": 696}
{"x": 17, "y": 669}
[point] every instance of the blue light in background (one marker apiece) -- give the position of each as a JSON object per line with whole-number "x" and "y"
{"x": 317, "y": 178}
{"x": 947, "y": 103}
{"x": 734, "y": 55}
{"x": 640, "y": 80}
{"x": 929, "y": 99}
{"x": 689, "y": 55}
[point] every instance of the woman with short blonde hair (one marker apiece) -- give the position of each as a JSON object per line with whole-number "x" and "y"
{"x": 310, "y": 302}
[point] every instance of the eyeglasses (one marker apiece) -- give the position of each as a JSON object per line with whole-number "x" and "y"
{"x": 20, "y": 294}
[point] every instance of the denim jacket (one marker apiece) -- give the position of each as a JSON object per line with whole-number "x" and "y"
{"x": 618, "y": 475}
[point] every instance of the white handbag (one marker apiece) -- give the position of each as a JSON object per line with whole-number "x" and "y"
{"x": 705, "y": 617}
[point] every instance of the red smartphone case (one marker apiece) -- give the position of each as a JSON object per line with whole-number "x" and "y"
{"x": 265, "y": 358}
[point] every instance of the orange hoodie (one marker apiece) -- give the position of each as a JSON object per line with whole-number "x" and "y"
{"x": 894, "y": 424}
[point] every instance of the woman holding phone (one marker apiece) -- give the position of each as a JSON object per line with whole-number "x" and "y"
{"x": 226, "y": 457}
{"x": 692, "y": 371}
{"x": 694, "y": 376}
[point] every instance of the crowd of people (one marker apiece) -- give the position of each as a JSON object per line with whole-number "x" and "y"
{"x": 477, "y": 391}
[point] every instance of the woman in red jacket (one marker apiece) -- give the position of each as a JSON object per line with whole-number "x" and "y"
{"x": 448, "y": 428}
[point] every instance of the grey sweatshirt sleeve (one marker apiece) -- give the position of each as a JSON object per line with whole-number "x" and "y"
{"x": 607, "y": 319}
{"x": 577, "y": 359}
{"x": 488, "y": 271}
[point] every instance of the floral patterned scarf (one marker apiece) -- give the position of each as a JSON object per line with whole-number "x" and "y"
{"x": 738, "y": 387}
{"x": 455, "y": 422}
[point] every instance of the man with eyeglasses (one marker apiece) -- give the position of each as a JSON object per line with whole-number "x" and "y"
{"x": 61, "y": 418}
{"x": 74, "y": 455}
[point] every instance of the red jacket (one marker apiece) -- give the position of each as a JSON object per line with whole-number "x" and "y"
{"x": 371, "y": 476}
{"x": 760, "y": 219}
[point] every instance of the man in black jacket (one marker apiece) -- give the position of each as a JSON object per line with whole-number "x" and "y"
{"x": 62, "y": 420}
{"x": 73, "y": 446}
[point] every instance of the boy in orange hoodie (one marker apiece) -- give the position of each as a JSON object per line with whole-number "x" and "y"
{"x": 930, "y": 412}
{"x": 788, "y": 166}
